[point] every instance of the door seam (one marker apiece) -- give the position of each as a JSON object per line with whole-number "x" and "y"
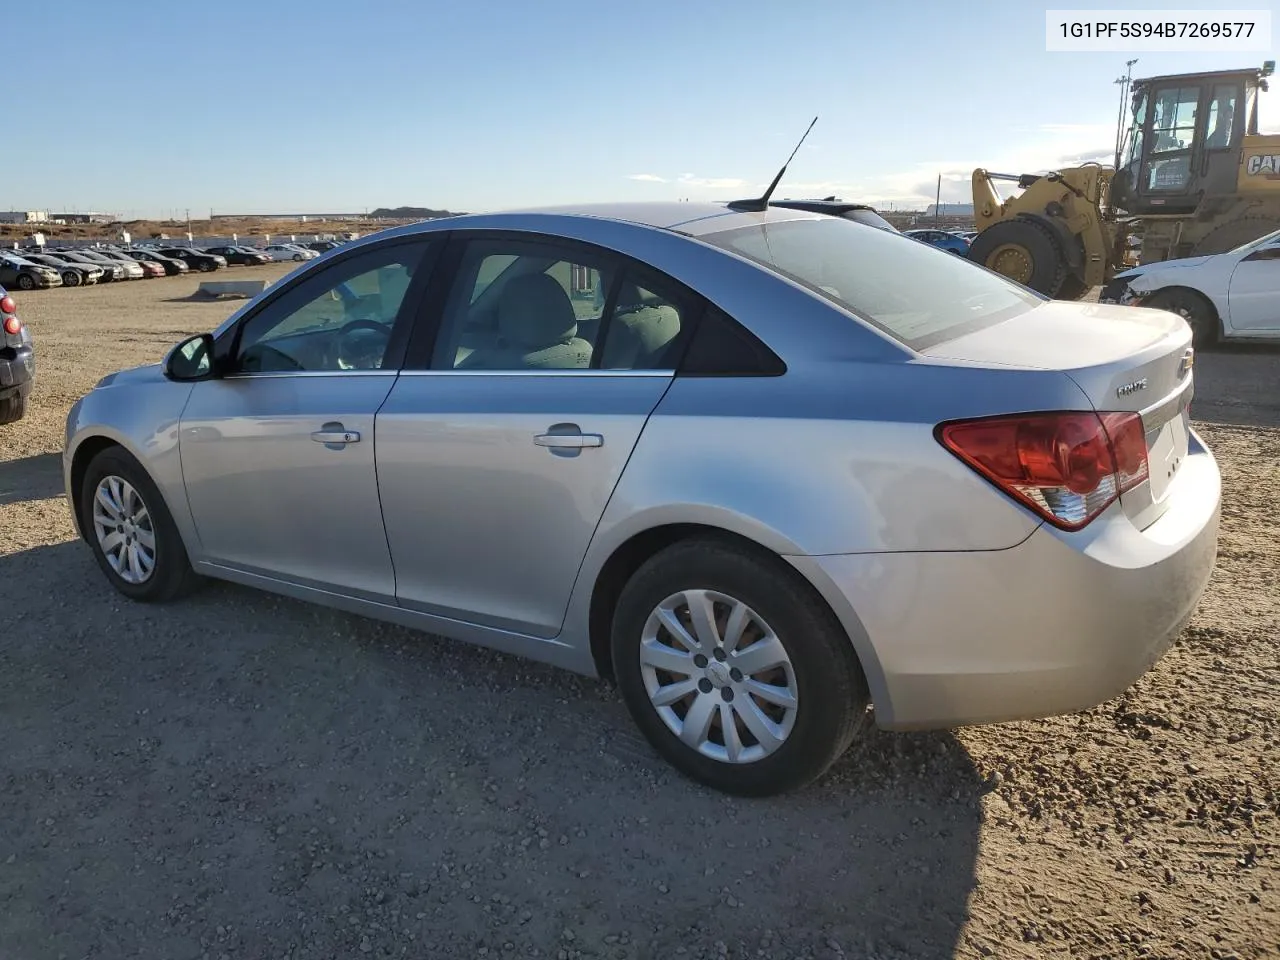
{"x": 608, "y": 500}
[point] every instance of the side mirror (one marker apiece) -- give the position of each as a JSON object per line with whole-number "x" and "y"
{"x": 191, "y": 360}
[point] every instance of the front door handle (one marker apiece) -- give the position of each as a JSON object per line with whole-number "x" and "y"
{"x": 335, "y": 436}
{"x": 575, "y": 441}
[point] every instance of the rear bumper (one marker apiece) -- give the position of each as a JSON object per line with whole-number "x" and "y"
{"x": 1059, "y": 623}
{"x": 17, "y": 371}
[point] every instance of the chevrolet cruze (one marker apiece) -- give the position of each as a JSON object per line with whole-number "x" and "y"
{"x": 765, "y": 468}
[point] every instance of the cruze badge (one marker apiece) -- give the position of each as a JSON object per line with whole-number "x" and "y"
{"x": 1126, "y": 389}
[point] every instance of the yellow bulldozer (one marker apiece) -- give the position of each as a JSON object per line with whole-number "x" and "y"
{"x": 1196, "y": 178}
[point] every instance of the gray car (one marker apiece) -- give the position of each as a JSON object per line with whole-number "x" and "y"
{"x": 131, "y": 269}
{"x": 761, "y": 468}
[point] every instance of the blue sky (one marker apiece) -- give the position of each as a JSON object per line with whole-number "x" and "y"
{"x": 337, "y": 105}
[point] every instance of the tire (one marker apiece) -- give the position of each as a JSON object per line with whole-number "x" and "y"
{"x": 13, "y": 408}
{"x": 1023, "y": 251}
{"x": 205, "y": 267}
{"x": 298, "y": 256}
{"x": 169, "y": 575}
{"x": 1193, "y": 308}
{"x": 819, "y": 668}
{"x": 1071, "y": 288}
{"x": 26, "y": 281}
{"x": 71, "y": 279}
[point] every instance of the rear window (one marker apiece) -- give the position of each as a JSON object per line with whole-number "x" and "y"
{"x": 870, "y": 218}
{"x": 917, "y": 294}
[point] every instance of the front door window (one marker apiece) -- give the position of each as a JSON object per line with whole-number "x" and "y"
{"x": 341, "y": 319}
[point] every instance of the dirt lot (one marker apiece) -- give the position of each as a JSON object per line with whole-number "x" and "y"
{"x": 245, "y": 776}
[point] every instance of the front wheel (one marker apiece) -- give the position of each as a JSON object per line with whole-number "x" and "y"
{"x": 131, "y": 531}
{"x": 1023, "y": 251}
{"x": 205, "y": 267}
{"x": 298, "y": 256}
{"x": 734, "y": 668}
{"x": 26, "y": 281}
{"x": 1192, "y": 307}
{"x": 71, "y": 279}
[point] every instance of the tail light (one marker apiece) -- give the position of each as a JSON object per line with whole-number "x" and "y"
{"x": 7, "y": 305}
{"x": 12, "y": 326}
{"x": 1066, "y": 467}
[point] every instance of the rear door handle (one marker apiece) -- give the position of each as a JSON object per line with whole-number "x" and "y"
{"x": 574, "y": 441}
{"x": 335, "y": 436}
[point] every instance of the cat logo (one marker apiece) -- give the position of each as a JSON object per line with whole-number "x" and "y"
{"x": 1264, "y": 164}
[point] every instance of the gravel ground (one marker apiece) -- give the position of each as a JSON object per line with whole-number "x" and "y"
{"x": 245, "y": 776}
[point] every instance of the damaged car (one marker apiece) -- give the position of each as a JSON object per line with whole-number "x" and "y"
{"x": 1225, "y": 296}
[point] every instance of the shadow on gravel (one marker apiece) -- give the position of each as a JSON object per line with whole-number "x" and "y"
{"x": 31, "y": 478}
{"x": 245, "y": 775}
{"x": 1236, "y": 384}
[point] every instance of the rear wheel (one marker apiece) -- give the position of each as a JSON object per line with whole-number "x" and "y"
{"x": 734, "y": 668}
{"x": 131, "y": 531}
{"x": 1023, "y": 251}
{"x": 1193, "y": 308}
{"x": 13, "y": 408}
{"x": 71, "y": 279}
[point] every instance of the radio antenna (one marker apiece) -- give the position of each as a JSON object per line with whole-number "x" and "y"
{"x": 762, "y": 203}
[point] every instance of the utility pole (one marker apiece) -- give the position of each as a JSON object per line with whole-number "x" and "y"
{"x": 937, "y": 203}
{"x": 1124, "y": 83}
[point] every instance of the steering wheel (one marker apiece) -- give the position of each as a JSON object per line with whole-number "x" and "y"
{"x": 262, "y": 357}
{"x": 360, "y": 353}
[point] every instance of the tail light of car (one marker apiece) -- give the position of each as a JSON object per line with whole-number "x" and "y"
{"x": 7, "y": 305}
{"x": 1066, "y": 467}
{"x": 12, "y": 326}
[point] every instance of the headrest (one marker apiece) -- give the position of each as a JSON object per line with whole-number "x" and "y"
{"x": 534, "y": 310}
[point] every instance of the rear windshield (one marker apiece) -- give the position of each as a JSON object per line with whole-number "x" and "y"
{"x": 917, "y": 294}
{"x": 870, "y": 218}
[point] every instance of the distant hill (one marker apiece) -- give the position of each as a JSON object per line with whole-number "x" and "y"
{"x": 409, "y": 213}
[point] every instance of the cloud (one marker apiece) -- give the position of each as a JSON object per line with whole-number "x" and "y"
{"x": 693, "y": 180}
{"x": 1027, "y": 150}
{"x": 712, "y": 183}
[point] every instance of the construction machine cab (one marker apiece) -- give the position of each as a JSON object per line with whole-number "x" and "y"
{"x": 1185, "y": 139}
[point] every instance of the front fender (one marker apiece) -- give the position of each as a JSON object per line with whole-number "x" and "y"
{"x": 143, "y": 418}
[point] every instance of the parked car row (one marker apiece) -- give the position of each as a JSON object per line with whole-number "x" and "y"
{"x": 38, "y": 268}
{"x": 944, "y": 239}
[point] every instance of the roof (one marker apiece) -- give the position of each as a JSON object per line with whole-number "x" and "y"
{"x": 1252, "y": 72}
{"x": 667, "y": 216}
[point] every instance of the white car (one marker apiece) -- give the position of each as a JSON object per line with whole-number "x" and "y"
{"x": 1229, "y": 296}
{"x": 288, "y": 251}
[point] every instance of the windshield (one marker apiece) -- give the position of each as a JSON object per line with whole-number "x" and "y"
{"x": 1260, "y": 242}
{"x": 918, "y": 294}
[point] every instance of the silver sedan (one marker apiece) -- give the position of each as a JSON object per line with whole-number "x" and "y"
{"x": 763, "y": 469}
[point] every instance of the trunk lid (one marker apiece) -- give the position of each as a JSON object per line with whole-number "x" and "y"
{"x": 1122, "y": 358}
